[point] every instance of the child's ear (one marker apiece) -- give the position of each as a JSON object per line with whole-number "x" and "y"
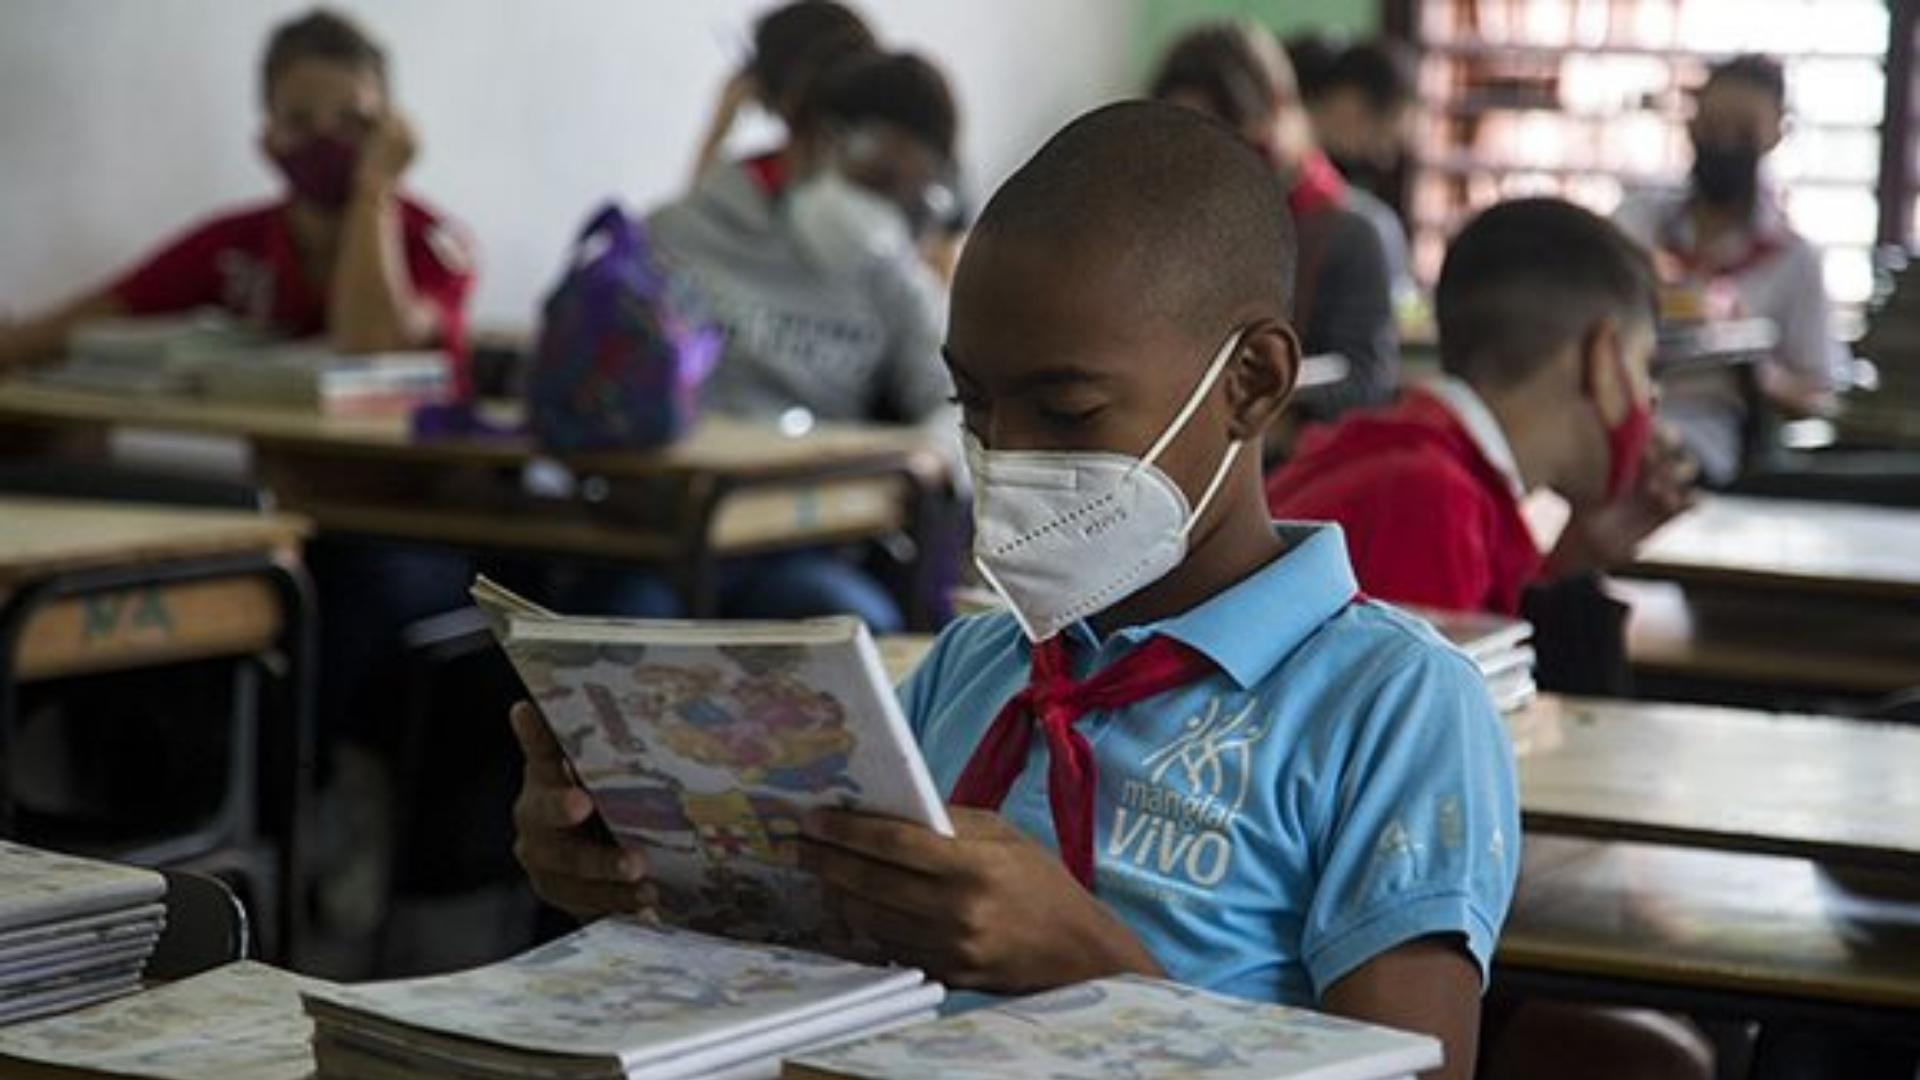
{"x": 1262, "y": 377}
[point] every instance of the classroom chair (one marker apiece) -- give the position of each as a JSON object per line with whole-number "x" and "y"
{"x": 206, "y": 927}
{"x": 252, "y": 835}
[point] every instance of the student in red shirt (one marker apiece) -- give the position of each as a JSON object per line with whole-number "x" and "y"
{"x": 344, "y": 253}
{"x": 1546, "y": 319}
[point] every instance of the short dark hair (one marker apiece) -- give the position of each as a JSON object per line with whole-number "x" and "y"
{"x": 1763, "y": 73}
{"x": 1169, "y": 190}
{"x": 1236, "y": 68}
{"x": 320, "y": 34}
{"x": 1381, "y": 72}
{"x": 901, "y": 89}
{"x": 1313, "y": 55}
{"x": 1525, "y": 279}
{"x": 793, "y": 42}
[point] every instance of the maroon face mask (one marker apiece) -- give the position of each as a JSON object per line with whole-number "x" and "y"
{"x": 320, "y": 170}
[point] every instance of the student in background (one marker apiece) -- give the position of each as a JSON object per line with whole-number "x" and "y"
{"x": 808, "y": 260}
{"x": 792, "y": 45}
{"x": 344, "y": 253}
{"x": 1546, "y": 318}
{"x": 1361, "y": 101}
{"x": 1725, "y": 234}
{"x": 1125, "y": 294}
{"x": 1237, "y": 73}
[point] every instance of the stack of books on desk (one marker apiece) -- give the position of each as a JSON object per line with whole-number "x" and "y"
{"x": 1500, "y": 647}
{"x": 319, "y": 380}
{"x": 618, "y": 1000}
{"x": 211, "y": 356}
{"x": 1132, "y": 1027}
{"x": 152, "y": 356}
{"x": 73, "y": 931}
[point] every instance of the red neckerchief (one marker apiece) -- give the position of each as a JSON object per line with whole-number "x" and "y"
{"x": 1053, "y": 702}
{"x": 1318, "y": 187}
{"x": 1761, "y": 246}
{"x": 768, "y": 171}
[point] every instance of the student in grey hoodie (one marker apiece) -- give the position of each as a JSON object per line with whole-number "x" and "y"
{"x": 808, "y": 258}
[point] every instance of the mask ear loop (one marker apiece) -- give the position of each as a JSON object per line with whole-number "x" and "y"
{"x": 1213, "y": 487}
{"x": 1192, "y": 406}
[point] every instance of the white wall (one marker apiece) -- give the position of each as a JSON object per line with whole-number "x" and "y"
{"x": 123, "y": 120}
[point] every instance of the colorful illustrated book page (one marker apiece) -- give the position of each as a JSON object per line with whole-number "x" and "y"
{"x": 704, "y": 743}
{"x": 1133, "y": 1028}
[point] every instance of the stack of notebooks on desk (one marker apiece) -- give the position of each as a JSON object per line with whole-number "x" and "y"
{"x": 318, "y": 380}
{"x": 72, "y": 931}
{"x": 156, "y": 356}
{"x": 1145, "y": 1029}
{"x": 618, "y": 1000}
{"x": 211, "y": 356}
{"x": 1501, "y": 648}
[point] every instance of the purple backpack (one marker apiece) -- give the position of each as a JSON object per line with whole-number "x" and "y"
{"x": 622, "y": 350}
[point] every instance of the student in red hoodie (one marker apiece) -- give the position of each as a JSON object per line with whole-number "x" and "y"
{"x": 1546, "y": 317}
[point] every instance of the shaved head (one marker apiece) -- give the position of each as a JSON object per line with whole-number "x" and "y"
{"x": 1193, "y": 220}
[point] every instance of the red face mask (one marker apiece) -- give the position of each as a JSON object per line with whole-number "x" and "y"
{"x": 1626, "y": 440}
{"x": 320, "y": 170}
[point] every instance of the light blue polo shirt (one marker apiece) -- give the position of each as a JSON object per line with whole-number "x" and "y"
{"x": 1342, "y": 786}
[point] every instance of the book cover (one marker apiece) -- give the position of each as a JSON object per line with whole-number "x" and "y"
{"x": 617, "y": 994}
{"x": 1129, "y": 1028}
{"x": 242, "y": 1019}
{"x": 703, "y": 744}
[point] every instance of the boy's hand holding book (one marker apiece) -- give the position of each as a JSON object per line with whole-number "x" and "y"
{"x": 567, "y": 853}
{"x": 985, "y": 909}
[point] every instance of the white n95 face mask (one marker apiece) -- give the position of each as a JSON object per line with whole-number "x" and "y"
{"x": 843, "y": 226}
{"x": 1061, "y": 535}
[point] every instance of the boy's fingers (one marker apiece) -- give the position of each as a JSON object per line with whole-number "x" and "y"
{"x": 545, "y": 762}
{"x": 546, "y": 806}
{"x": 568, "y": 856}
{"x": 883, "y": 839}
{"x": 854, "y": 874}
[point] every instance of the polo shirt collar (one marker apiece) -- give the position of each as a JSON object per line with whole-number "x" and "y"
{"x": 1250, "y": 628}
{"x": 1468, "y": 407}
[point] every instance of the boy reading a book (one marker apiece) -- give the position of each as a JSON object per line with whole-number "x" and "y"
{"x": 1189, "y": 747}
{"x": 1546, "y": 331}
{"x": 344, "y": 253}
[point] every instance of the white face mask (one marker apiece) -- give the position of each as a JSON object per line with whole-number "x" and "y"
{"x": 843, "y": 226}
{"x": 1061, "y": 535}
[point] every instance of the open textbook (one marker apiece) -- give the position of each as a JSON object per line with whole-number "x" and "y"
{"x": 618, "y": 1000}
{"x": 1143, "y": 1029}
{"x": 703, "y": 744}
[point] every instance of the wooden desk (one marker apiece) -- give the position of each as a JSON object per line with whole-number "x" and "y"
{"x": 1784, "y": 545}
{"x": 901, "y": 653}
{"x": 90, "y": 586}
{"x": 1756, "y": 641}
{"x": 1834, "y": 790}
{"x": 730, "y": 489}
{"x": 147, "y": 624}
{"x": 1747, "y": 934}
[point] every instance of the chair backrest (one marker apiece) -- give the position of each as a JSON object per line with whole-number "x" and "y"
{"x": 206, "y": 927}
{"x": 100, "y": 480}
